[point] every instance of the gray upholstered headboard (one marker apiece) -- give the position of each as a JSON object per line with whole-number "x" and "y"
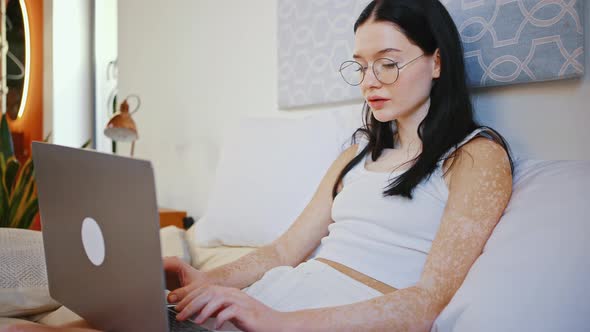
{"x": 505, "y": 42}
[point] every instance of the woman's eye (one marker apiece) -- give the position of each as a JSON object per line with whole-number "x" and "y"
{"x": 390, "y": 65}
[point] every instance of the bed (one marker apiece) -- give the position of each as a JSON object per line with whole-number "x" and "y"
{"x": 531, "y": 276}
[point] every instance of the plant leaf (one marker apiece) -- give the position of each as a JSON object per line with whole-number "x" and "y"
{"x": 28, "y": 216}
{"x": 87, "y": 143}
{"x": 19, "y": 191}
{"x": 32, "y": 191}
{"x": 20, "y": 217}
{"x": 6, "y": 147}
{"x": 4, "y": 197}
{"x": 4, "y": 221}
{"x": 10, "y": 173}
{"x": 48, "y": 137}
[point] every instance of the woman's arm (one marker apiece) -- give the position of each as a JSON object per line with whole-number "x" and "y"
{"x": 292, "y": 247}
{"x": 479, "y": 191}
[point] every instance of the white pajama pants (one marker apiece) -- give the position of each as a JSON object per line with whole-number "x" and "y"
{"x": 311, "y": 284}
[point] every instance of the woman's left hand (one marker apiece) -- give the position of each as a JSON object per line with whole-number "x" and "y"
{"x": 230, "y": 304}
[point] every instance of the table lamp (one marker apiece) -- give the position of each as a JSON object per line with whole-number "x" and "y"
{"x": 121, "y": 127}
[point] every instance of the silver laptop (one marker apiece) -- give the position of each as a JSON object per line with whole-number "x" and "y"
{"x": 101, "y": 236}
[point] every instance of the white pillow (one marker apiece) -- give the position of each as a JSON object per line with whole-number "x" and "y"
{"x": 173, "y": 243}
{"x": 534, "y": 272}
{"x": 23, "y": 276}
{"x": 208, "y": 258}
{"x": 268, "y": 171}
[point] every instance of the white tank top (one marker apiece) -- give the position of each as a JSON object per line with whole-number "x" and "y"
{"x": 387, "y": 238}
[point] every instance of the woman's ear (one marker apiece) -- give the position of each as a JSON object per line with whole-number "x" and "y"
{"x": 436, "y": 69}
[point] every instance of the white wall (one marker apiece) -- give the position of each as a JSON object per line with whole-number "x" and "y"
{"x": 105, "y": 44}
{"x": 199, "y": 65}
{"x": 68, "y": 82}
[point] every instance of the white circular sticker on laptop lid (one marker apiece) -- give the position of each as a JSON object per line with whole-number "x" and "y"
{"x": 93, "y": 241}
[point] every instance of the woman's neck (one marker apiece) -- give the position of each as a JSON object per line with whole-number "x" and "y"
{"x": 407, "y": 129}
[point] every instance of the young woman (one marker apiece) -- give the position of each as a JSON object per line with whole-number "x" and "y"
{"x": 400, "y": 216}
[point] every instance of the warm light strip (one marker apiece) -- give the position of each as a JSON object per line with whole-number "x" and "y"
{"x": 23, "y": 100}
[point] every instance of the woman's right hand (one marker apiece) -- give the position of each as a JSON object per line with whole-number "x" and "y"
{"x": 182, "y": 278}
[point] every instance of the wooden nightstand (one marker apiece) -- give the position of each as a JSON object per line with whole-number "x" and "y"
{"x": 169, "y": 217}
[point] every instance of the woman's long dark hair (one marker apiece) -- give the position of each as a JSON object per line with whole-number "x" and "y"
{"x": 450, "y": 117}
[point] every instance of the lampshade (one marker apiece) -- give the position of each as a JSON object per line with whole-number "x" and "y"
{"x": 121, "y": 127}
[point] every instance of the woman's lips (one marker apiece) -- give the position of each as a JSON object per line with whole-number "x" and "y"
{"x": 378, "y": 104}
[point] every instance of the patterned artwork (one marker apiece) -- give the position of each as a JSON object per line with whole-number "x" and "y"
{"x": 505, "y": 42}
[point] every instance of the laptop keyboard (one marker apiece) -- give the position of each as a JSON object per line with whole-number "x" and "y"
{"x": 183, "y": 326}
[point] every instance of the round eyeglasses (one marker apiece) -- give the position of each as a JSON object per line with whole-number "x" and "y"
{"x": 386, "y": 71}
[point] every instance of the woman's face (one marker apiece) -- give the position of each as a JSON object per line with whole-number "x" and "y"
{"x": 411, "y": 91}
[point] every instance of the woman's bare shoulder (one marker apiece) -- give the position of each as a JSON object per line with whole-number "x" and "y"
{"x": 481, "y": 155}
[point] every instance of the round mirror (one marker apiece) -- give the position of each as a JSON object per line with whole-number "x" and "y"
{"x": 17, "y": 57}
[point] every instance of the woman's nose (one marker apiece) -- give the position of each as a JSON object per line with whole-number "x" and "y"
{"x": 370, "y": 80}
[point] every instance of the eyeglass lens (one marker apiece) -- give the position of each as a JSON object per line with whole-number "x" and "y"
{"x": 385, "y": 70}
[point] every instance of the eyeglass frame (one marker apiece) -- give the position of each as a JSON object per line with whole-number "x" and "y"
{"x": 399, "y": 69}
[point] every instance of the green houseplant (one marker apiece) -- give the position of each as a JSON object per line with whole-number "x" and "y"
{"x": 18, "y": 192}
{"x": 18, "y": 189}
